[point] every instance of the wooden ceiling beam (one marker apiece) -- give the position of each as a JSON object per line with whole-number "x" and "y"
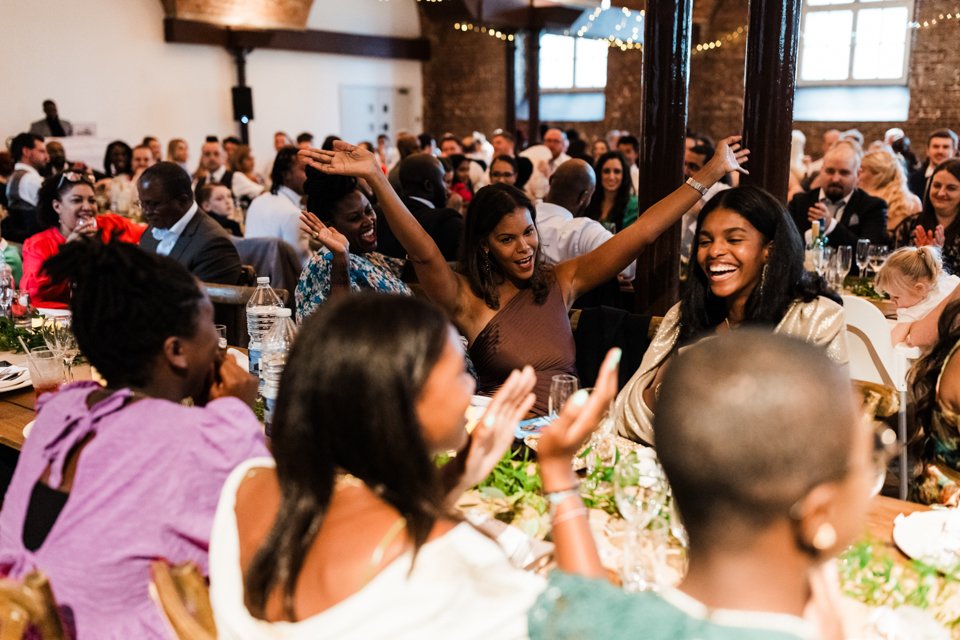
{"x": 176, "y": 30}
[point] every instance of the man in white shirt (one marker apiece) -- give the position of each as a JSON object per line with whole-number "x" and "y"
{"x": 213, "y": 170}
{"x": 30, "y": 155}
{"x": 277, "y": 214}
{"x": 546, "y": 158}
{"x": 562, "y": 235}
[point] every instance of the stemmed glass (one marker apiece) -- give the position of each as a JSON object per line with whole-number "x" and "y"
{"x": 640, "y": 490}
{"x": 58, "y": 336}
{"x": 863, "y": 256}
{"x": 878, "y": 255}
{"x": 844, "y": 262}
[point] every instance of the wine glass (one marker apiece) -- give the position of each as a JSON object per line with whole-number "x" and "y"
{"x": 863, "y": 256}
{"x": 844, "y": 261}
{"x": 58, "y": 336}
{"x": 821, "y": 258}
{"x": 878, "y": 255}
{"x": 639, "y": 488}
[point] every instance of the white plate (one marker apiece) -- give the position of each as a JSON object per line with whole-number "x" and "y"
{"x": 17, "y": 383}
{"x": 930, "y": 536}
{"x": 27, "y": 428}
{"x": 54, "y": 313}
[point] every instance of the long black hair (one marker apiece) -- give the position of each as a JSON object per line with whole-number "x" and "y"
{"x": 347, "y": 404}
{"x": 595, "y": 209}
{"x": 125, "y": 304}
{"x": 783, "y": 281}
{"x": 926, "y": 371}
{"x": 488, "y": 207}
{"x": 110, "y": 169}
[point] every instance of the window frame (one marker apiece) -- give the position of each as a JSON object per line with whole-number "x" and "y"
{"x": 857, "y": 6}
{"x": 576, "y": 49}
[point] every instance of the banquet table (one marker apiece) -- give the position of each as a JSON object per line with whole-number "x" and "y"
{"x": 16, "y": 410}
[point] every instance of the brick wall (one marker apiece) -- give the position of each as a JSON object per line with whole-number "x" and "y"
{"x": 464, "y": 89}
{"x": 716, "y": 84}
{"x": 463, "y": 82}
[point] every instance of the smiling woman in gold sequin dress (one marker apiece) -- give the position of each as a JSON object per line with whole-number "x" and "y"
{"x": 748, "y": 271}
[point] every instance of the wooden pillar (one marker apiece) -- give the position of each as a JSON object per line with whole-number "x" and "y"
{"x": 533, "y": 85}
{"x": 510, "y": 81}
{"x": 772, "y": 47}
{"x": 666, "y": 69}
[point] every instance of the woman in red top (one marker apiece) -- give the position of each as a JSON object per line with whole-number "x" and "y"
{"x": 67, "y": 210}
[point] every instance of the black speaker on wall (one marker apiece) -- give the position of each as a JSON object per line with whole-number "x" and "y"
{"x": 242, "y": 104}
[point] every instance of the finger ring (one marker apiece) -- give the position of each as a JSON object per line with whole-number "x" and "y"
{"x": 316, "y": 236}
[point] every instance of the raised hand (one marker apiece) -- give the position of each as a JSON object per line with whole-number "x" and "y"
{"x": 319, "y": 232}
{"x": 730, "y": 156}
{"x": 344, "y": 160}
{"x": 494, "y": 433}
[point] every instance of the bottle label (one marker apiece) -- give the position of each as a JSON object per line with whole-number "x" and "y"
{"x": 270, "y": 405}
{"x": 253, "y": 353}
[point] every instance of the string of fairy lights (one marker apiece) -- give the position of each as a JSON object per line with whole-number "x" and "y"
{"x": 631, "y": 28}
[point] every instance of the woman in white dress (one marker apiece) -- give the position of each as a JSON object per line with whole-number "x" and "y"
{"x": 350, "y": 533}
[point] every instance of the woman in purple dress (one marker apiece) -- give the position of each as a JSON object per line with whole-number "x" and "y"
{"x": 114, "y": 477}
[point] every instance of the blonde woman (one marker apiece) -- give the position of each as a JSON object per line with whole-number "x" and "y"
{"x": 881, "y": 175}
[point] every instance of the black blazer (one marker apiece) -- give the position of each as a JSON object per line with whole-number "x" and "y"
{"x": 445, "y": 226}
{"x": 204, "y": 248}
{"x": 864, "y": 217}
{"x": 917, "y": 181}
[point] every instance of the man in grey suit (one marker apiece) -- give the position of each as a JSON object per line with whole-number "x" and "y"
{"x": 52, "y": 125}
{"x": 178, "y": 228}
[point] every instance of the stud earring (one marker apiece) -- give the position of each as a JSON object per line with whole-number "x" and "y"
{"x": 825, "y": 537}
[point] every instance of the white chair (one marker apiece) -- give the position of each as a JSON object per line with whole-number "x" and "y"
{"x": 874, "y": 358}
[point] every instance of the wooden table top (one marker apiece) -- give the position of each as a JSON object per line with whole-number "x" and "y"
{"x": 16, "y": 410}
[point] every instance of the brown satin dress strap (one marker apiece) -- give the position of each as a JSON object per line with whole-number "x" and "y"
{"x": 521, "y": 333}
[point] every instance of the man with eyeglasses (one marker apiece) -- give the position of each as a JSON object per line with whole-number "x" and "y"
{"x": 30, "y": 155}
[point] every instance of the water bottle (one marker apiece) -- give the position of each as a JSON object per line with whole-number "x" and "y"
{"x": 261, "y": 308}
{"x": 276, "y": 349}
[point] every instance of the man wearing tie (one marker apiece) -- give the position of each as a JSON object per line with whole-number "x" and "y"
{"x": 846, "y": 213}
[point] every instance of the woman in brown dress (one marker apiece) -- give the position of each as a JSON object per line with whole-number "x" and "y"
{"x": 511, "y": 307}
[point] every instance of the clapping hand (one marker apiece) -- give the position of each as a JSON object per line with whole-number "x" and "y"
{"x": 344, "y": 160}
{"x": 319, "y": 232}
{"x": 494, "y": 433}
{"x": 819, "y": 211}
{"x": 923, "y": 238}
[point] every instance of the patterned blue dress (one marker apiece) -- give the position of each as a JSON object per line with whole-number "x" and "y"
{"x": 368, "y": 272}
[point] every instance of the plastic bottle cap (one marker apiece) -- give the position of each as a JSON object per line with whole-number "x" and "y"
{"x": 263, "y": 280}
{"x": 283, "y": 312}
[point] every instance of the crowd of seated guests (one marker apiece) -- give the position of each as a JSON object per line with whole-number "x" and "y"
{"x": 331, "y": 524}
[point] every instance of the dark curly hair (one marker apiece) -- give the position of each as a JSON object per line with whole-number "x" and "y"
{"x": 784, "y": 279}
{"x": 54, "y": 188}
{"x": 488, "y": 207}
{"x": 324, "y": 191}
{"x": 125, "y": 304}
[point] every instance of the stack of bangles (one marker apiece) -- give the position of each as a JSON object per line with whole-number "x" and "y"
{"x": 556, "y": 498}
